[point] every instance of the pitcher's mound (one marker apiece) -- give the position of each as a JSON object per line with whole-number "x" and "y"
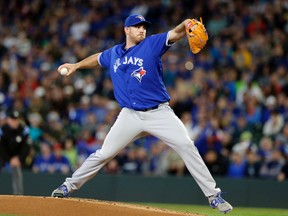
{"x": 47, "y": 206}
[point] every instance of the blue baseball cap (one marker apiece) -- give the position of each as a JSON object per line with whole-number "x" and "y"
{"x": 136, "y": 19}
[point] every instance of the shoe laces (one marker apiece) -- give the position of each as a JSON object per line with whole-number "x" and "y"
{"x": 63, "y": 188}
{"x": 217, "y": 199}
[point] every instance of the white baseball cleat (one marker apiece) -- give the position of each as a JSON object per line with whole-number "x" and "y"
{"x": 216, "y": 201}
{"x": 61, "y": 192}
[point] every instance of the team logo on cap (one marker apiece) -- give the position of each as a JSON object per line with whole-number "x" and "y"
{"x": 140, "y": 17}
{"x": 139, "y": 73}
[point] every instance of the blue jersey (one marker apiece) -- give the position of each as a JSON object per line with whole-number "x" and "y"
{"x": 137, "y": 73}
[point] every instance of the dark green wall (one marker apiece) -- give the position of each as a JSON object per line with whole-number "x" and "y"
{"x": 240, "y": 192}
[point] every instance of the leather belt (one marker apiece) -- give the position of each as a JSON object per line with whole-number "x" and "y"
{"x": 148, "y": 109}
{"x": 151, "y": 108}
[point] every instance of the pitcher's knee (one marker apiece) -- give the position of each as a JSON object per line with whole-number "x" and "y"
{"x": 186, "y": 145}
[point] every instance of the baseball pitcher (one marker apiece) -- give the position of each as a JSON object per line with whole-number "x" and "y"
{"x": 137, "y": 75}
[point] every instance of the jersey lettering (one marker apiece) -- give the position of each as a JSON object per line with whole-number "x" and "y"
{"x": 133, "y": 60}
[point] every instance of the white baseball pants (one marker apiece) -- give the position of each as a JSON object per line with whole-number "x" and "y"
{"x": 161, "y": 123}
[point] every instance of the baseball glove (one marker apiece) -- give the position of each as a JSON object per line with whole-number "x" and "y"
{"x": 196, "y": 34}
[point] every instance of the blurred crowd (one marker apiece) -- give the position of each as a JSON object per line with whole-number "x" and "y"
{"x": 232, "y": 96}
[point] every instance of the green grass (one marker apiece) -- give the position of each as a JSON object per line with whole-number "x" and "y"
{"x": 6, "y": 215}
{"x": 206, "y": 210}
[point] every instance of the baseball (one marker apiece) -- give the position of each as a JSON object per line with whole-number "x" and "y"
{"x": 63, "y": 71}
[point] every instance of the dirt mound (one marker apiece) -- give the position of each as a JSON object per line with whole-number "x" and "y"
{"x": 47, "y": 206}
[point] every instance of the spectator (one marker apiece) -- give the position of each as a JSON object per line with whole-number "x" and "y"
{"x": 36, "y": 131}
{"x": 60, "y": 163}
{"x": 252, "y": 109}
{"x": 216, "y": 163}
{"x": 175, "y": 164}
{"x": 44, "y": 160}
{"x": 245, "y": 145}
{"x": 131, "y": 165}
{"x": 88, "y": 141}
{"x": 236, "y": 168}
{"x": 241, "y": 126}
{"x": 142, "y": 158}
{"x": 265, "y": 148}
{"x": 70, "y": 152}
{"x": 253, "y": 164}
{"x": 112, "y": 167}
{"x": 210, "y": 138}
{"x": 274, "y": 124}
{"x": 53, "y": 130}
{"x": 136, "y": 161}
{"x": 272, "y": 165}
{"x": 270, "y": 106}
{"x": 242, "y": 56}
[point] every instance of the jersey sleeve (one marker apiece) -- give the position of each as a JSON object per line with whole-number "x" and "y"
{"x": 159, "y": 43}
{"x": 105, "y": 58}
